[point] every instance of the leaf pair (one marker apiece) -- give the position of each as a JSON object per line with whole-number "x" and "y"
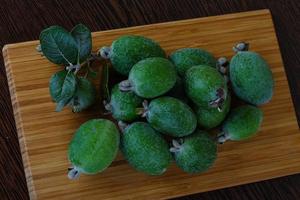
{"x": 64, "y": 48}
{"x": 66, "y": 89}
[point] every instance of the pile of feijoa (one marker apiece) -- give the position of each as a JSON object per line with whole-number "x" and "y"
{"x": 165, "y": 108}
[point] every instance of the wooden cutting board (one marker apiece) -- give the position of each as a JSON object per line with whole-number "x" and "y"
{"x": 44, "y": 134}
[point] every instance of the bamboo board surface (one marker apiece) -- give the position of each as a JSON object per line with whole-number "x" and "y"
{"x": 44, "y": 134}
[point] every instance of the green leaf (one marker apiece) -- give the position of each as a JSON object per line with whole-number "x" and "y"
{"x": 85, "y": 95}
{"x": 83, "y": 38}
{"x": 59, "y": 46}
{"x": 62, "y": 88}
{"x": 60, "y": 105}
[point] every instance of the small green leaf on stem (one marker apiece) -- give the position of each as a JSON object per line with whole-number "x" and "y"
{"x": 62, "y": 88}
{"x": 59, "y": 46}
{"x": 83, "y": 38}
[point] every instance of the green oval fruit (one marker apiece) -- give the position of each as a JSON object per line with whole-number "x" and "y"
{"x": 186, "y": 58}
{"x": 124, "y": 105}
{"x": 127, "y": 50}
{"x": 242, "y": 123}
{"x": 249, "y": 69}
{"x": 195, "y": 153}
{"x": 205, "y": 86}
{"x": 93, "y": 147}
{"x": 150, "y": 78}
{"x": 211, "y": 117}
{"x": 171, "y": 116}
{"x": 145, "y": 149}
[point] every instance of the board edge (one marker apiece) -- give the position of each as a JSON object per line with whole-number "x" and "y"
{"x": 11, "y": 84}
{"x": 18, "y": 122}
{"x": 212, "y": 17}
{"x": 285, "y": 73}
{"x": 264, "y": 11}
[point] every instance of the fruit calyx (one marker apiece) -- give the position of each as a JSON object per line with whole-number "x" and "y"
{"x": 217, "y": 103}
{"x": 222, "y": 65}
{"x": 73, "y": 173}
{"x": 222, "y": 137}
{"x": 39, "y": 49}
{"x": 125, "y": 86}
{"x": 242, "y": 46}
{"x": 105, "y": 52}
{"x": 144, "y": 111}
{"x": 177, "y": 146}
{"x": 122, "y": 126}
{"x": 107, "y": 105}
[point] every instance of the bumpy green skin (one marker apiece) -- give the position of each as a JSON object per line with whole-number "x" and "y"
{"x": 129, "y": 49}
{"x": 152, "y": 77}
{"x": 145, "y": 149}
{"x": 186, "y": 58}
{"x": 197, "y": 153}
{"x": 124, "y": 104}
{"x": 94, "y": 146}
{"x": 210, "y": 117}
{"x": 171, "y": 117}
{"x": 243, "y": 122}
{"x": 202, "y": 83}
{"x": 251, "y": 78}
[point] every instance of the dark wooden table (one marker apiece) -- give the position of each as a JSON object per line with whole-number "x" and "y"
{"x": 22, "y": 20}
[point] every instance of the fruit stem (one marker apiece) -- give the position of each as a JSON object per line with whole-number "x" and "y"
{"x": 220, "y": 109}
{"x": 125, "y": 86}
{"x": 241, "y": 46}
{"x": 39, "y": 49}
{"x": 145, "y": 108}
{"x": 176, "y": 143}
{"x": 218, "y": 102}
{"x": 176, "y": 146}
{"x": 140, "y": 111}
{"x": 107, "y": 105}
{"x": 73, "y": 173}
{"x": 222, "y": 65}
{"x": 105, "y": 52}
{"x": 222, "y": 137}
{"x": 122, "y": 125}
{"x": 174, "y": 150}
{"x": 76, "y": 67}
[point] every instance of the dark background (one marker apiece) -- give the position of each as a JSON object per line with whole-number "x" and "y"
{"x": 23, "y": 20}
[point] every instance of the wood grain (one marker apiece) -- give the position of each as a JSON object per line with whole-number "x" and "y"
{"x": 44, "y": 134}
